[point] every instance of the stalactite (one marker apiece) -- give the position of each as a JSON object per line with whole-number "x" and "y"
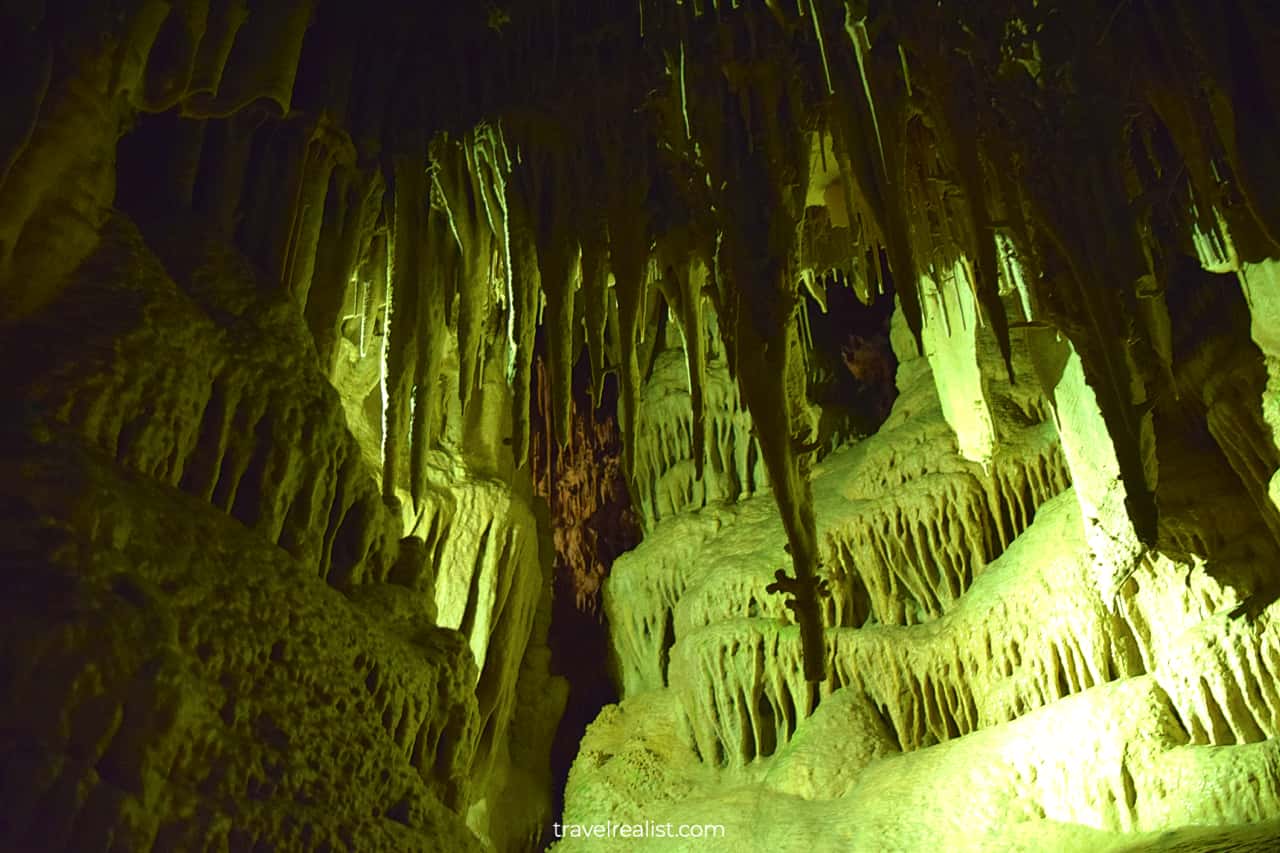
{"x": 822, "y": 45}
{"x": 329, "y": 148}
{"x": 981, "y": 238}
{"x": 137, "y": 36}
{"x": 30, "y": 68}
{"x": 171, "y": 64}
{"x": 1102, "y": 312}
{"x": 355, "y": 200}
{"x": 403, "y": 333}
{"x": 682, "y": 284}
{"x": 527, "y": 297}
{"x": 629, "y": 247}
{"x": 222, "y": 182}
{"x": 498, "y": 207}
{"x": 596, "y": 295}
{"x": 1254, "y": 119}
{"x": 874, "y": 154}
{"x": 465, "y": 174}
{"x": 223, "y": 24}
{"x": 445, "y": 263}
{"x": 376, "y": 263}
{"x": 857, "y": 31}
{"x": 550, "y": 192}
{"x": 252, "y": 57}
{"x": 755, "y": 254}
{"x": 268, "y": 203}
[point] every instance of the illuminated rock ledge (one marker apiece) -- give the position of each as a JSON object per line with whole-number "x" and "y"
{"x": 1068, "y": 722}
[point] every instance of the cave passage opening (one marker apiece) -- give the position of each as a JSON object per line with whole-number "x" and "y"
{"x": 592, "y": 521}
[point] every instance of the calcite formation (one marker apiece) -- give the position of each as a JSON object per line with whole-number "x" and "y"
{"x": 666, "y": 476}
{"x": 344, "y": 343}
{"x": 205, "y": 581}
{"x": 1073, "y": 717}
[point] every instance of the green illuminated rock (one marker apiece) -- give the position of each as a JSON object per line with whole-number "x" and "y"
{"x": 343, "y": 346}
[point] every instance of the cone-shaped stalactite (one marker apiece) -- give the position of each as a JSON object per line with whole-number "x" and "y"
{"x": 329, "y": 148}
{"x": 626, "y": 193}
{"x": 754, "y": 141}
{"x": 1087, "y": 244}
{"x": 351, "y": 209}
{"x": 441, "y": 247}
{"x": 977, "y": 237}
{"x": 1255, "y": 121}
{"x": 468, "y": 184}
{"x": 684, "y": 275}
{"x": 549, "y": 194}
{"x": 595, "y": 298}
{"x": 592, "y": 226}
{"x": 868, "y": 126}
{"x": 403, "y": 332}
{"x": 526, "y": 285}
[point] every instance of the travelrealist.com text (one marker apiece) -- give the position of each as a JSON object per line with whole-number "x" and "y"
{"x": 647, "y": 829}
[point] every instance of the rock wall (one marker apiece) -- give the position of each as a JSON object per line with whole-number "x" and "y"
{"x": 139, "y": 715}
{"x": 215, "y": 632}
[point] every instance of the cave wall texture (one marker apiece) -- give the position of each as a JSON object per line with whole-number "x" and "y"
{"x": 930, "y": 350}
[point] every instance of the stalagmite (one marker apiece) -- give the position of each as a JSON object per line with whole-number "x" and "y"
{"x": 664, "y": 473}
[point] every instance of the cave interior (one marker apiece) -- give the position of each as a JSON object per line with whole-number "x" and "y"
{"x": 509, "y": 425}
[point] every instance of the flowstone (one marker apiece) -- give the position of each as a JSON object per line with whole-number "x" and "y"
{"x": 1072, "y": 717}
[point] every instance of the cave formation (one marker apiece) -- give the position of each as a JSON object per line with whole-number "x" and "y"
{"x": 773, "y": 424}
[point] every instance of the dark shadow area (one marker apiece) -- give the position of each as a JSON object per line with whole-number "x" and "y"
{"x": 1213, "y": 441}
{"x": 853, "y": 366}
{"x": 592, "y": 522}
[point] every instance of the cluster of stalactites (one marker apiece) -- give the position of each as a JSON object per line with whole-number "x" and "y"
{"x": 969, "y": 136}
{"x": 455, "y": 286}
{"x": 514, "y": 236}
{"x": 960, "y": 135}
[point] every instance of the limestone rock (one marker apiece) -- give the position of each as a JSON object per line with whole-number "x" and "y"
{"x": 1073, "y": 716}
{"x": 208, "y": 686}
{"x": 664, "y": 464}
{"x": 210, "y": 390}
